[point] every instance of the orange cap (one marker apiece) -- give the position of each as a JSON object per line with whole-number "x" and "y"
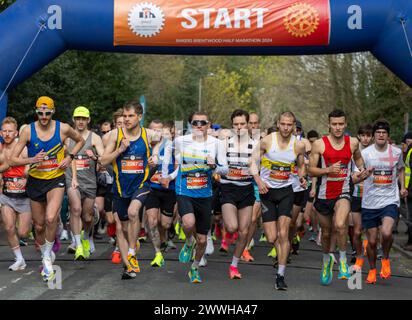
{"x": 45, "y": 101}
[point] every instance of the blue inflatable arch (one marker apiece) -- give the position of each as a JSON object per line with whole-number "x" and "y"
{"x": 34, "y": 32}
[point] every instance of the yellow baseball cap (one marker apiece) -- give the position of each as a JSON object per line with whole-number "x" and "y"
{"x": 45, "y": 101}
{"x": 81, "y": 112}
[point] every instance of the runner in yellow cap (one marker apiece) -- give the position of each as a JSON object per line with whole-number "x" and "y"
{"x": 46, "y": 182}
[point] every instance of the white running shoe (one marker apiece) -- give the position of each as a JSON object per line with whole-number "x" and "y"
{"x": 19, "y": 265}
{"x": 170, "y": 245}
{"x": 203, "y": 262}
{"x": 64, "y": 235}
{"x": 92, "y": 247}
{"x": 47, "y": 271}
{"x": 209, "y": 247}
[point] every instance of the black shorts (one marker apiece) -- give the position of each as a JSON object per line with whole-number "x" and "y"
{"x": 121, "y": 205}
{"x": 356, "y": 204}
{"x": 276, "y": 203}
{"x": 216, "y": 205}
{"x": 240, "y": 196}
{"x": 37, "y": 189}
{"x": 200, "y": 207}
{"x": 326, "y": 207}
{"x": 299, "y": 198}
{"x": 106, "y": 193}
{"x": 164, "y": 200}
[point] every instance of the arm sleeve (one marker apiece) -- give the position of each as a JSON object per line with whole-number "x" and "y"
{"x": 167, "y": 159}
{"x": 222, "y": 165}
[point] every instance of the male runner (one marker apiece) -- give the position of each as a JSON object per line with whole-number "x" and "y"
{"x": 254, "y": 131}
{"x": 161, "y": 201}
{"x": 380, "y": 201}
{"x": 365, "y": 139}
{"x": 45, "y": 140}
{"x": 196, "y": 156}
{"x": 333, "y": 201}
{"x": 278, "y": 153}
{"x": 14, "y": 200}
{"x": 129, "y": 152}
{"x": 81, "y": 182}
{"x": 237, "y": 192}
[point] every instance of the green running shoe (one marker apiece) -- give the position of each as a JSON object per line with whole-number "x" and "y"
{"x": 194, "y": 276}
{"x": 327, "y": 272}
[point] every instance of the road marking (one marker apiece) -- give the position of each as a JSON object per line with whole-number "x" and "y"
{"x": 28, "y": 273}
{"x": 16, "y": 280}
{"x": 2, "y": 288}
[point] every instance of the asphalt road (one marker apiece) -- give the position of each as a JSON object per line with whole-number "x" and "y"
{"x": 99, "y": 279}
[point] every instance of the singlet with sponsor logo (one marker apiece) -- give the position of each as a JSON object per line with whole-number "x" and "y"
{"x": 238, "y": 153}
{"x": 14, "y": 182}
{"x": 155, "y": 178}
{"x": 49, "y": 168}
{"x": 194, "y": 177}
{"x": 381, "y": 188}
{"x": 278, "y": 164}
{"x": 131, "y": 170}
{"x": 333, "y": 185}
{"x": 85, "y": 166}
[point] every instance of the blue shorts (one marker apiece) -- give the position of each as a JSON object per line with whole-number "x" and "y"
{"x": 121, "y": 205}
{"x": 372, "y": 218}
{"x": 257, "y": 194}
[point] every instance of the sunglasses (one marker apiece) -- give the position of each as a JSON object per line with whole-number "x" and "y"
{"x": 199, "y": 123}
{"x": 44, "y": 114}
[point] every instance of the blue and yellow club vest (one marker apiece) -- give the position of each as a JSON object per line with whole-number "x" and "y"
{"x": 49, "y": 168}
{"x": 131, "y": 169}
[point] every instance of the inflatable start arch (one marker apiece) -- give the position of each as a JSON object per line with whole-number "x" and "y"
{"x": 35, "y": 32}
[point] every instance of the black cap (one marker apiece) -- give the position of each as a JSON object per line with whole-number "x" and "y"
{"x": 407, "y": 136}
{"x": 299, "y": 125}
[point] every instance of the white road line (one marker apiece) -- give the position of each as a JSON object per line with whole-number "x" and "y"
{"x": 2, "y": 288}
{"x": 16, "y": 280}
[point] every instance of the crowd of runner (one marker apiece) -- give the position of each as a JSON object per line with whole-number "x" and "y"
{"x": 160, "y": 183}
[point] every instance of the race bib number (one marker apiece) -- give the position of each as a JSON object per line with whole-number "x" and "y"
{"x": 14, "y": 185}
{"x": 382, "y": 177}
{"x": 132, "y": 165}
{"x": 49, "y": 163}
{"x": 82, "y": 162}
{"x": 341, "y": 175}
{"x": 238, "y": 173}
{"x": 156, "y": 177}
{"x": 197, "y": 180}
{"x": 280, "y": 173}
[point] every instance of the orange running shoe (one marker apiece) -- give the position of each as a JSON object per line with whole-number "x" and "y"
{"x": 116, "y": 258}
{"x": 365, "y": 245}
{"x": 246, "y": 256}
{"x": 234, "y": 273}
{"x": 358, "y": 264}
{"x": 386, "y": 269}
{"x": 371, "y": 277}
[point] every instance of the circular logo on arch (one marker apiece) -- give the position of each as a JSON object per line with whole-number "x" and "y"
{"x": 146, "y": 19}
{"x": 301, "y": 20}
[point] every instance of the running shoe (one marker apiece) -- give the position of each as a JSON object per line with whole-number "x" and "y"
{"x": 31, "y": 236}
{"x": 133, "y": 263}
{"x": 246, "y": 256}
{"x": 224, "y": 246}
{"x": 47, "y": 271}
{"x": 186, "y": 253}
{"x": 116, "y": 258}
{"x": 19, "y": 265}
{"x": 158, "y": 261}
{"x": 327, "y": 272}
{"x": 177, "y": 228}
{"x": 64, "y": 236}
{"x": 56, "y": 245}
{"x": 379, "y": 254}
{"x": 170, "y": 245}
{"x": 371, "y": 279}
{"x": 343, "y": 270}
{"x": 92, "y": 247}
{"x": 280, "y": 283}
{"x": 182, "y": 235}
{"x": 23, "y": 242}
{"x": 295, "y": 244}
{"x": 234, "y": 273}
{"x": 273, "y": 253}
{"x": 142, "y": 235}
{"x": 194, "y": 276}
{"x": 262, "y": 237}
{"x": 209, "y": 246}
{"x": 79, "y": 254}
{"x": 171, "y": 233}
{"x": 357, "y": 267}
{"x": 313, "y": 237}
{"x": 71, "y": 248}
{"x": 163, "y": 246}
{"x": 203, "y": 262}
{"x": 386, "y": 269}
{"x": 128, "y": 273}
{"x": 86, "y": 248}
